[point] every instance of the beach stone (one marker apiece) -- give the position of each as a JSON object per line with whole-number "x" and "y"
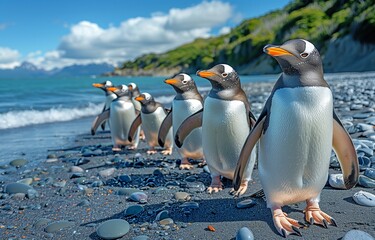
{"x": 166, "y": 221}
{"x": 42, "y": 221}
{"x": 162, "y": 215}
{"x": 361, "y": 115}
{"x": 248, "y": 203}
{"x": 357, "y": 235}
{"x": 140, "y": 197}
{"x": 18, "y": 196}
{"x": 57, "y": 226}
{"x": 141, "y": 237}
{"x": 370, "y": 172}
{"x": 76, "y": 169}
{"x": 61, "y": 183}
{"x": 364, "y": 163}
{"x": 26, "y": 181}
{"x": 18, "y": 163}
{"x": 13, "y": 188}
{"x": 182, "y": 196}
{"x": 80, "y": 161}
{"x": 196, "y": 186}
{"x": 189, "y": 205}
{"x": 206, "y": 169}
{"x": 125, "y": 178}
{"x": 244, "y": 234}
{"x": 133, "y": 210}
{"x": 32, "y": 193}
{"x": 364, "y": 198}
{"x": 4, "y": 166}
{"x": 51, "y": 156}
{"x": 366, "y": 182}
{"x": 112, "y": 229}
{"x": 107, "y": 172}
{"x": 336, "y": 181}
{"x": 365, "y": 127}
{"x": 127, "y": 191}
{"x": 97, "y": 183}
{"x": 160, "y": 190}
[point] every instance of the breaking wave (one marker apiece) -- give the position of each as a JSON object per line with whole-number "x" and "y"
{"x": 15, "y": 119}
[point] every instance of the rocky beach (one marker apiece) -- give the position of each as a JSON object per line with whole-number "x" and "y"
{"x": 87, "y": 191}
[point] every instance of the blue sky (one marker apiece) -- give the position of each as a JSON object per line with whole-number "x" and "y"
{"x": 59, "y": 33}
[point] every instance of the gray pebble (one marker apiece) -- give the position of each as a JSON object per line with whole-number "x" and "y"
{"x": 370, "y": 172}
{"x": 357, "y": 235}
{"x": 112, "y": 229}
{"x": 97, "y": 183}
{"x": 189, "y": 205}
{"x": 127, "y": 191}
{"x": 160, "y": 190}
{"x": 125, "y": 178}
{"x": 59, "y": 183}
{"x": 336, "y": 181}
{"x": 196, "y": 186}
{"x": 248, "y": 203}
{"x": 166, "y": 221}
{"x": 182, "y": 196}
{"x": 13, "y": 188}
{"x": 76, "y": 169}
{"x": 27, "y": 181}
{"x": 140, "y": 197}
{"x": 364, "y": 198}
{"x": 162, "y": 215}
{"x": 19, "y": 196}
{"x": 42, "y": 221}
{"x": 32, "y": 193}
{"x": 57, "y": 226}
{"x": 206, "y": 169}
{"x": 244, "y": 234}
{"x": 133, "y": 210}
{"x": 141, "y": 237}
{"x": 107, "y": 172}
{"x": 18, "y": 163}
{"x": 366, "y": 182}
{"x": 364, "y": 163}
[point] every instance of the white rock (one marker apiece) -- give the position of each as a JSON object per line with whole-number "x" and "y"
{"x": 357, "y": 235}
{"x": 107, "y": 172}
{"x": 364, "y": 198}
{"x": 336, "y": 181}
{"x": 75, "y": 169}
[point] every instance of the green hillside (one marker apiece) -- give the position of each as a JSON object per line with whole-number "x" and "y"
{"x": 335, "y": 27}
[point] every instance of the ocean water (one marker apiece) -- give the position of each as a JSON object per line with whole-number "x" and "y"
{"x": 47, "y": 113}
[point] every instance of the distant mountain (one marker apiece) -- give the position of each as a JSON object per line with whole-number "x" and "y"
{"x": 29, "y": 70}
{"x": 342, "y": 30}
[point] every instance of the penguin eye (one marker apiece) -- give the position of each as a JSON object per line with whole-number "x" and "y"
{"x": 304, "y": 55}
{"x": 224, "y": 74}
{"x": 184, "y": 81}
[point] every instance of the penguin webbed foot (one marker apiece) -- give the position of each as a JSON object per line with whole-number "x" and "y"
{"x": 151, "y": 151}
{"x": 286, "y": 226}
{"x": 241, "y": 190}
{"x": 167, "y": 151}
{"x": 313, "y": 215}
{"x": 216, "y": 185}
{"x": 185, "y": 164}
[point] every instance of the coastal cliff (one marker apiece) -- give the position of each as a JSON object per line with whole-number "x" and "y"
{"x": 343, "y": 32}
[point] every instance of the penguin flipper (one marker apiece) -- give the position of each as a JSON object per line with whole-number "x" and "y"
{"x": 346, "y": 153}
{"x": 252, "y": 120}
{"x": 188, "y": 125}
{"x": 133, "y": 128}
{"x": 247, "y": 148}
{"x": 164, "y": 128}
{"x": 99, "y": 120}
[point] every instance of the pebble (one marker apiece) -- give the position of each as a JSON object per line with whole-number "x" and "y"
{"x": 27, "y": 181}
{"x": 59, "y": 183}
{"x": 189, "y": 205}
{"x": 206, "y": 169}
{"x": 244, "y": 234}
{"x": 98, "y": 183}
{"x": 357, "y": 235}
{"x": 336, "y": 181}
{"x": 133, "y": 210}
{"x": 127, "y": 191}
{"x": 166, "y": 221}
{"x": 140, "y": 197}
{"x": 42, "y": 221}
{"x": 18, "y": 163}
{"x": 364, "y": 163}
{"x": 107, "y": 172}
{"x": 196, "y": 186}
{"x": 248, "y": 203}
{"x": 51, "y": 156}
{"x": 361, "y": 115}
{"x": 13, "y": 188}
{"x": 366, "y": 182}
{"x": 160, "y": 190}
{"x": 182, "y": 196}
{"x": 162, "y": 215}
{"x": 57, "y": 226}
{"x": 112, "y": 229}
{"x": 4, "y": 166}
{"x": 370, "y": 172}
{"x": 18, "y": 196}
{"x": 76, "y": 169}
{"x": 364, "y": 198}
{"x": 32, "y": 193}
{"x": 80, "y": 161}
{"x": 84, "y": 203}
{"x": 125, "y": 178}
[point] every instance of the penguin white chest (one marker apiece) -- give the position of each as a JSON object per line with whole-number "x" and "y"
{"x": 182, "y": 109}
{"x": 295, "y": 149}
{"x": 151, "y": 123}
{"x": 122, "y": 114}
{"x": 224, "y": 131}
{"x": 108, "y": 100}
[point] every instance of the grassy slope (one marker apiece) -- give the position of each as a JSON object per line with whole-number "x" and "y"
{"x": 316, "y": 20}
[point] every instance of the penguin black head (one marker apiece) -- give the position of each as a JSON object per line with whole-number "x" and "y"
{"x": 134, "y": 90}
{"x": 121, "y": 90}
{"x": 221, "y": 76}
{"x": 182, "y": 83}
{"x": 145, "y": 99}
{"x": 296, "y": 57}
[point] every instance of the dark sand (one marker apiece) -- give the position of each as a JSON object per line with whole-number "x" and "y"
{"x": 17, "y": 217}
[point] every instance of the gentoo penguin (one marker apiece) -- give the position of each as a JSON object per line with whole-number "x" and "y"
{"x": 296, "y": 130}
{"x": 151, "y": 117}
{"x": 226, "y": 121}
{"x": 109, "y": 96}
{"x": 134, "y": 92}
{"x": 121, "y": 114}
{"x": 187, "y": 102}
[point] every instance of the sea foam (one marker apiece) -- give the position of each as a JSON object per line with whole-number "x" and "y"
{"x": 15, "y": 119}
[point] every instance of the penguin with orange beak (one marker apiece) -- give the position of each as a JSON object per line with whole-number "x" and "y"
{"x": 151, "y": 117}
{"x": 109, "y": 96}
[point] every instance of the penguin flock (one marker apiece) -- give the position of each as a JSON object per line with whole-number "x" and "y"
{"x": 292, "y": 139}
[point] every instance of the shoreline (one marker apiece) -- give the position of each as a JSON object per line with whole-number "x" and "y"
{"x": 86, "y": 199}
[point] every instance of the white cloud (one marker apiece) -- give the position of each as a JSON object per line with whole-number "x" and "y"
{"x": 224, "y": 30}
{"x": 87, "y": 42}
{"x": 9, "y": 58}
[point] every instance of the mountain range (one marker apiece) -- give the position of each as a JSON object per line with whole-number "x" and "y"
{"x": 342, "y": 30}
{"x": 29, "y": 70}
